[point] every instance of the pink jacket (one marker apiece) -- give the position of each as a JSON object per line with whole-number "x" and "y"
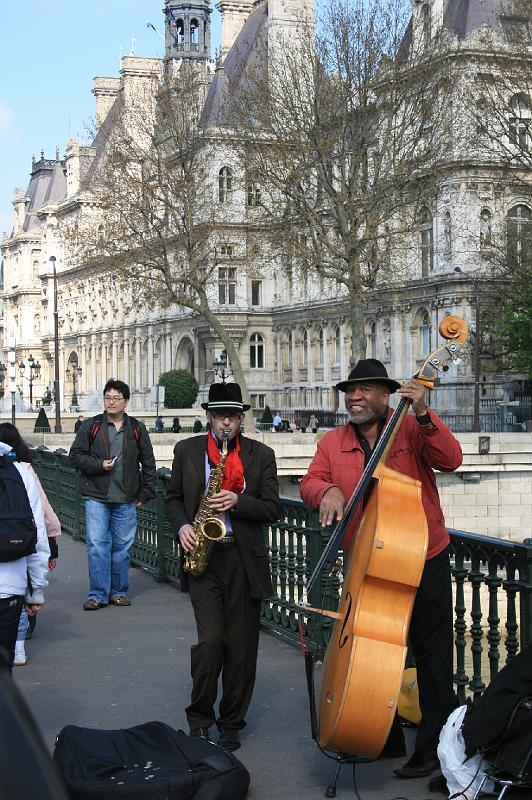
{"x": 417, "y": 451}
{"x": 51, "y": 521}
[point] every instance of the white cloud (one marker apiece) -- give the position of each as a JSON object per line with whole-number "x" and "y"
{"x": 6, "y": 118}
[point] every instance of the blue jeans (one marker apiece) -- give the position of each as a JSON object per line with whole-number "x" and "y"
{"x": 110, "y": 533}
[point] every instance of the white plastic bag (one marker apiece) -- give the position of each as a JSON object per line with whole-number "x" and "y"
{"x": 463, "y": 776}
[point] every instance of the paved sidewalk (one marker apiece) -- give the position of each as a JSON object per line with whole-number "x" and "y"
{"x": 123, "y": 666}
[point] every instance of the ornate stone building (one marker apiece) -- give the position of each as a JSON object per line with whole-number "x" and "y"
{"x": 292, "y": 333}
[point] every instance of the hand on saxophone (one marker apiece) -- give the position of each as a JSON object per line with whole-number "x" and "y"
{"x": 187, "y": 537}
{"x": 223, "y": 501}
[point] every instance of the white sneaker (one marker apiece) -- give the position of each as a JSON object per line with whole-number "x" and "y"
{"x": 20, "y": 656}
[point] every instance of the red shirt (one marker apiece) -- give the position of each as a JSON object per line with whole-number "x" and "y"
{"x": 417, "y": 451}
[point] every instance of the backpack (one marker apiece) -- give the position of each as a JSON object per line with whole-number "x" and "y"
{"x": 18, "y": 531}
{"x": 147, "y": 762}
{"x": 97, "y": 424}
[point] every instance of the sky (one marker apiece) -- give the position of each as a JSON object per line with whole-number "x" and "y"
{"x": 50, "y": 50}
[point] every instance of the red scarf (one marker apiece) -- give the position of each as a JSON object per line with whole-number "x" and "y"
{"x": 233, "y": 477}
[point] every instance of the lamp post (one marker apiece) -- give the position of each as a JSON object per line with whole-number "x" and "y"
{"x": 3, "y": 370}
{"x": 74, "y": 372}
{"x": 57, "y": 394}
{"x": 35, "y": 371}
{"x": 220, "y": 364}
{"x": 11, "y": 374}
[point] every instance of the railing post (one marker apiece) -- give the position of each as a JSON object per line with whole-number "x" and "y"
{"x": 524, "y": 554}
{"x": 160, "y": 490}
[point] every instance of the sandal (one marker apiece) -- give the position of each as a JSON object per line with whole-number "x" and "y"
{"x": 121, "y": 600}
{"x": 92, "y": 605}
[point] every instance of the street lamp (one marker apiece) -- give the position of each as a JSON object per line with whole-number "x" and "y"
{"x": 57, "y": 394}
{"x": 220, "y": 364}
{"x": 74, "y": 372}
{"x": 35, "y": 371}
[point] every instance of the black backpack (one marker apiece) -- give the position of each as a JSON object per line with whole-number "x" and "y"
{"x": 97, "y": 424}
{"x": 18, "y": 531}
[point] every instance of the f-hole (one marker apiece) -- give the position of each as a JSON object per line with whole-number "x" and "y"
{"x": 342, "y": 639}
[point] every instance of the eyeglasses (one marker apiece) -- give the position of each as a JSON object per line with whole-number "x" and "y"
{"x": 219, "y": 415}
{"x": 112, "y": 398}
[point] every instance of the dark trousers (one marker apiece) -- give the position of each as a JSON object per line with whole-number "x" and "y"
{"x": 10, "y": 610}
{"x": 227, "y": 621}
{"x": 431, "y": 637}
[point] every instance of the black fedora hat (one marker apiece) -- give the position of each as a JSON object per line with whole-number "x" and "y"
{"x": 225, "y": 396}
{"x": 369, "y": 370}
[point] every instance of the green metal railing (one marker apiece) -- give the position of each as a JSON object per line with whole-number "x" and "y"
{"x": 492, "y": 578}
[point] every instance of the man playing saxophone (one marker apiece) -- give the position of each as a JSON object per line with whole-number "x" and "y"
{"x": 229, "y": 575}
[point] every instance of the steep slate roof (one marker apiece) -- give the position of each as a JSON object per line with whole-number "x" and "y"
{"x": 247, "y": 53}
{"x": 47, "y": 185}
{"x": 465, "y": 16}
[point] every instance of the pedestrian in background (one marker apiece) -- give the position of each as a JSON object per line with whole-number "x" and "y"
{"x": 176, "y": 425}
{"x": 313, "y": 422}
{"x": 159, "y": 424}
{"x": 22, "y": 580}
{"x": 114, "y": 454}
{"x": 10, "y": 435}
{"x": 197, "y": 427}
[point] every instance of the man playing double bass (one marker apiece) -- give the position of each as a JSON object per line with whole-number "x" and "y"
{"x": 423, "y": 443}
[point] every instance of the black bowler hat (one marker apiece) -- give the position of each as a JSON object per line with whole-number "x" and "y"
{"x": 369, "y": 370}
{"x": 225, "y": 396}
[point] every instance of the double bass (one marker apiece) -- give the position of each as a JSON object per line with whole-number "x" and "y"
{"x": 365, "y": 657}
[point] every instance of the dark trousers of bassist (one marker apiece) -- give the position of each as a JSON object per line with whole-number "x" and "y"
{"x": 228, "y": 621}
{"x": 431, "y": 638}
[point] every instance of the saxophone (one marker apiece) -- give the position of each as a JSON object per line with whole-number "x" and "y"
{"x": 208, "y": 528}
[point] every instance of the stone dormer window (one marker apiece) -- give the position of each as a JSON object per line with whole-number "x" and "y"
{"x": 520, "y": 122}
{"x": 426, "y": 235}
{"x": 519, "y": 235}
{"x": 517, "y": 29}
{"x": 225, "y": 185}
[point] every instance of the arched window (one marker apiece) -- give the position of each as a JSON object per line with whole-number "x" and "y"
{"x": 193, "y": 34}
{"x": 256, "y": 351}
{"x": 447, "y": 233}
{"x": 320, "y": 346}
{"x": 337, "y": 345}
{"x": 289, "y": 349}
{"x": 519, "y": 235}
{"x": 225, "y": 185}
{"x": 304, "y": 349}
{"x": 520, "y": 122}
{"x": 422, "y": 322}
{"x": 485, "y": 229}
{"x": 372, "y": 340}
{"x": 180, "y": 33}
{"x": 426, "y": 236}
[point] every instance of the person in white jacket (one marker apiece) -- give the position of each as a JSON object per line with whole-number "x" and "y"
{"x": 17, "y": 576}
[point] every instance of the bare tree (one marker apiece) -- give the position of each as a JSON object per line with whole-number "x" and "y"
{"x": 343, "y": 130}
{"x": 148, "y": 218}
{"x": 497, "y": 105}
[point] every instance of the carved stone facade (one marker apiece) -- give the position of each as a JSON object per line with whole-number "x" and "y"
{"x": 292, "y": 333}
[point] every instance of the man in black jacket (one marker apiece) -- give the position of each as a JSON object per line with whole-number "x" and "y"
{"x": 114, "y": 455}
{"x": 226, "y": 598}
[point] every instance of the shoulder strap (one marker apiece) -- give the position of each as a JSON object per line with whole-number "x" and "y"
{"x": 96, "y": 425}
{"x": 136, "y": 429}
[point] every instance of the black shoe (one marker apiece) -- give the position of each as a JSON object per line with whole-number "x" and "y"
{"x": 418, "y": 766}
{"x": 201, "y": 733}
{"x": 438, "y": 784}
{"x": 229, "y": 739}
{"x": 393, "y": 751}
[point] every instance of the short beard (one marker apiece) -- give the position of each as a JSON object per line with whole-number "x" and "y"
{"x": 365, "y": 419}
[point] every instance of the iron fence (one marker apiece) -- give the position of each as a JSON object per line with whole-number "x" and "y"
{"x": 492, "y": 578}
